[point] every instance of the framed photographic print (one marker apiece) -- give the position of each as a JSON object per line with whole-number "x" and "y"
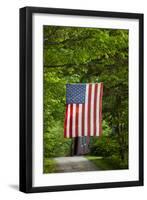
{"x": 81, "y": 99}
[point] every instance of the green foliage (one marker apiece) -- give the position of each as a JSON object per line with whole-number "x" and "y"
{"x": 49, "y": 165}
{"x": 104, "y": 146}
{"x": 54, "y": 142}
{"x": 109, "y": 163}
{"x": 75, "y": 55}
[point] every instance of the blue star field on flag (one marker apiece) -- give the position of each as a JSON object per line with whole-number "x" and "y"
{"x": 75, "y": 93}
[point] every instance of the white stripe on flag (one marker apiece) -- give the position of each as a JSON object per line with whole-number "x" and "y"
{"x": 74, "y": 121}
{"x": 92, "y": 110}
{"x": 80, "y": 120}
{"x": 86, "y": 110}
{"x": 68, "y": 120}
{"x": 97, "y": 110}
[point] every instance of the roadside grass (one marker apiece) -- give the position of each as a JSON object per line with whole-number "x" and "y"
{"x": 49, "y": 165}
{"x": 106, "y": 163}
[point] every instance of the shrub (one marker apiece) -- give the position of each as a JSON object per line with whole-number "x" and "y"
{"x": 104, "y": 146}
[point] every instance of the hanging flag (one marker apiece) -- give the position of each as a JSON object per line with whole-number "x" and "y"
{"x": 83, "y": 116}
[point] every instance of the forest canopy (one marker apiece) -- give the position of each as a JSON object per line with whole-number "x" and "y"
{"x": 84, "y": 55}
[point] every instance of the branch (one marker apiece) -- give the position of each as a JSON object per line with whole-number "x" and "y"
{"x": 46, "y": 42}
{"x": 91, "y": 62}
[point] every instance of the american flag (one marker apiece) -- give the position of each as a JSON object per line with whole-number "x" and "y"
{"x": 83, "y": 116}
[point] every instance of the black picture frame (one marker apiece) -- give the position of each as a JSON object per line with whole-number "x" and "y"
{"x": 26, "y": 102}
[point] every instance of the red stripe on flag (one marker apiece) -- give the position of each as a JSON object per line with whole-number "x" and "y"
{"x": 83, "y": 119}
{"x": 77, "y": 121}
{"x": 95, "y": 106}
{"x": 65, "y": 122}
{"x": 89, "y": 110}
{"x": 71, "y": 121}
{"x": 100, "y": 110}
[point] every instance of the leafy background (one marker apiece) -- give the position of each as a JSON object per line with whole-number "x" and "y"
{"x": 75, "y": 55}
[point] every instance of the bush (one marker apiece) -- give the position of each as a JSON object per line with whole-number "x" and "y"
{"x": 49, "y": 166}
{"x": 104, "y": 146}
{"x": 55, "y": 144}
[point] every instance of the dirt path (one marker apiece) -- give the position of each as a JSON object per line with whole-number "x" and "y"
{"x": 74, "y": 164}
